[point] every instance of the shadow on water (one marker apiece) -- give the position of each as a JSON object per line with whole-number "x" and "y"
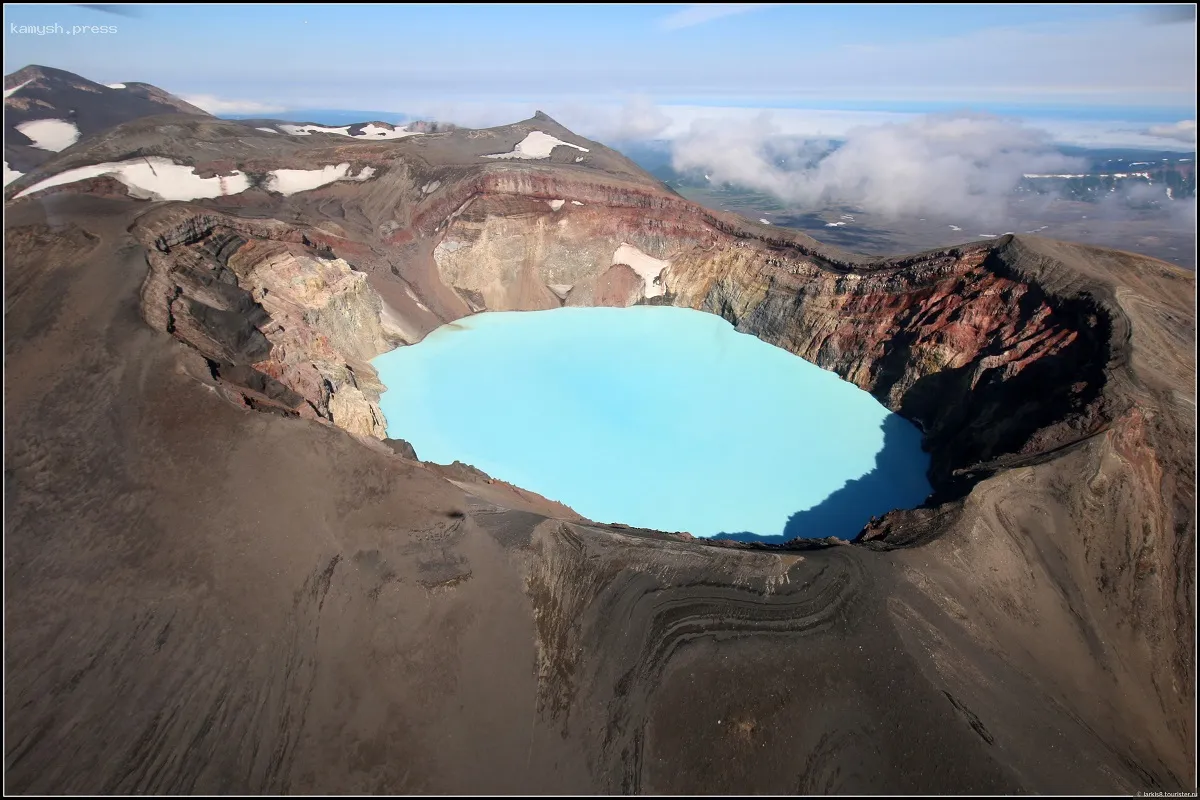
{"x": 897, "y": 481}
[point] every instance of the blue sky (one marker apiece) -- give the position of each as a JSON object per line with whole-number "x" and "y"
{"x": 1099, "y": 62}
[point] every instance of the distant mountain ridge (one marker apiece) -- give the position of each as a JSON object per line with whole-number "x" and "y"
{"x": 47, "y": 110}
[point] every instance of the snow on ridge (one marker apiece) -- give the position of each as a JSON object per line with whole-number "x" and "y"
{"x": 379, "y": 133}
{"x": 157, "y": 178}
{"x": 370, "y": 131}
{"x": 10, "y": 92}
{"x": 115, "y": 85}
{"x": 50, "y": 134}
{"x": 536, "y": 145}
{"x": 291, "y": 181}
{"x": 646, "y": 266}
{"x": 307, "y": 130}
{"x": 1145, "y": 175}
{"x": 153, "y": 178}
{"x": 10, "y": 174}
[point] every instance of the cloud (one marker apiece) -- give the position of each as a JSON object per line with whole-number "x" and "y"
{"x": 641, "y": 119}
{"x": 707, "y": 12}
{"x": 1184, "y": 130}
{"x": 963, "y": 165}
{"x": 603, "y": 119}
{"x": 218, "y": 106}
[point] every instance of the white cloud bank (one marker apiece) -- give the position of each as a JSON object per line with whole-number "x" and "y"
{"x": 218, "y": 105}
{"x": 963, "y": 165}
{"x": 1184, "y": 131}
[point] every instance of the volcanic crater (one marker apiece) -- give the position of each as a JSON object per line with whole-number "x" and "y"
{"x": 1040, "y": 601}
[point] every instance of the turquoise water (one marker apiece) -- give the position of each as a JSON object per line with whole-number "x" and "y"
{"x": 655, "y": 417}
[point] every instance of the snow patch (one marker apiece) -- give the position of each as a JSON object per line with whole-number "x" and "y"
{"x": 115, "y": 85}
{"x": 291, "y": 181}
{"x": 152, "y": 178}
{"x": 306, "y": 130}
{"x": 10, "y": 92}
{"x": 834, "y": 224}
{"x": 555, "y": 205}
{"x": 430, "y": 187}
{"x": 10, "y": 174}
{"x": 268, "y": 130}
{"x": 576, "y": 203}
{"x": 50, "y": 134}
{"x": 763, "y": 221}
{"x": 1145, "y": 175}
{"x": 413, "y": 296}
{"x": 536, "y": 145}
{"x": 648, "y": 267}
{"x": 955, "y": 228}
{"x": 378, "y": 132}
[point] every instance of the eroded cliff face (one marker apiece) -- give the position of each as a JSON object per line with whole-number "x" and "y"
{"x": 988, "y": 364}
{"x": 284, "y": 324}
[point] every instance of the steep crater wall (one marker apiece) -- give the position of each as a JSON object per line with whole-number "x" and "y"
{"x": 993, "y": 367}
{"x": 284, "y": 325}
{"x": 996, "y": 369}
{"x": 1045, "y": 376}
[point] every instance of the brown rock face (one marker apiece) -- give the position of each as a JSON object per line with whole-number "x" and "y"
{"x": 285, "y": 324}
{"x": 617, "y": 287}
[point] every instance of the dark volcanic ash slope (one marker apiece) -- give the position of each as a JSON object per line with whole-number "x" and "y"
{"x": 42, "y": 93}
{"x": 203, "y": 598}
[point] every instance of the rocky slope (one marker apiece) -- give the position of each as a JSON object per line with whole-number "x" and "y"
{"x": 1031, "y": 628}
{"x": 47, "y": 110}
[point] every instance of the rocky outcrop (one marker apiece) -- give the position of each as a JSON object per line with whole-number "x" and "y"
{"x": 285, "y": 325}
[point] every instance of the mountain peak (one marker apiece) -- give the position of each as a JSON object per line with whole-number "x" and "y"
{"x": 47, "y": 110}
